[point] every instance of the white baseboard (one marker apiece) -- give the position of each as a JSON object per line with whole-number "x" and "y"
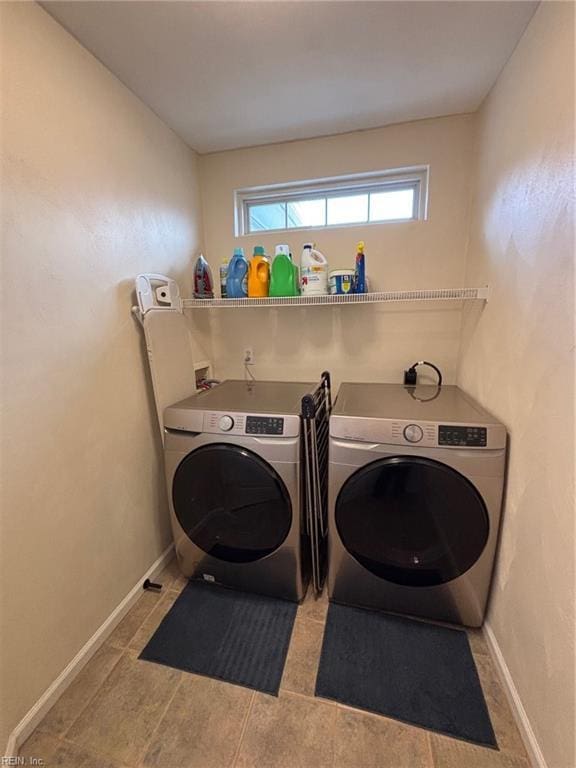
{"x": 529, "y": 737}
{"x": 37, "y": 713}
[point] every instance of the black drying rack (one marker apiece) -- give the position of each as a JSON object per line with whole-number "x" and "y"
{"x": 316, "y": 409}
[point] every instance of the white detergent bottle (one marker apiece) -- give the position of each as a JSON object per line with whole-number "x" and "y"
{"x": 313, "y": 272}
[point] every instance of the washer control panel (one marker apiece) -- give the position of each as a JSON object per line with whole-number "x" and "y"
{"x": 220, "y": 423}
{"x": 226, "y": 423}
{"x": 474, "y": 437}
{"x": 255, "y": 425}
{"x": 264, "y": 425}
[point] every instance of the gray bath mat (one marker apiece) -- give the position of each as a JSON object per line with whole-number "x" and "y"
{"x": 409, "y": 670}
{"x": 233, "y": 636}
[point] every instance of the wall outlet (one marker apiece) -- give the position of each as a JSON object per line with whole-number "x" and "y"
{"x": 249, "y": 356}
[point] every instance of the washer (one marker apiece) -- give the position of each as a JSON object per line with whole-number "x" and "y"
{"x": 232, "y": 458}
{"x": 415, "y": 495}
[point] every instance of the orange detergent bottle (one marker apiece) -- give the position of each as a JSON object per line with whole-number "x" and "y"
{"x": 258, "y": 274}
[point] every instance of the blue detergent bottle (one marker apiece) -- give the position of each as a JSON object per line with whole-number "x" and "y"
{"x": 237, "y": 278}
{"x": 359, "y": 283}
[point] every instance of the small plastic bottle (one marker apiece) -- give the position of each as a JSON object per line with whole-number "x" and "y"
{"x": 360, "y": 270}
{"x": 223, "y": 276}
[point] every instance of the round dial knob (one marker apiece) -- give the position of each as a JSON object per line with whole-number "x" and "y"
{"x": 226, "y": 423}
{"x": 413, "y": 433}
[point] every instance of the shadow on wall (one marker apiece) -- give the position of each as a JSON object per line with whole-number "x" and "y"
{"x": 498, "y": 561}
{"x": 471, "y": 316}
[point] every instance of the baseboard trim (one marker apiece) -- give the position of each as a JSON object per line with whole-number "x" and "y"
{"x": 530, "y": 741}
{"x": 37, "y": 713}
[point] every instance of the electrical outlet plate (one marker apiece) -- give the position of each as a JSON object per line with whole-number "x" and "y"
{"x": 248, "y": 356}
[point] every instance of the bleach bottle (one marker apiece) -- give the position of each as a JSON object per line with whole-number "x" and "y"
{"x": 313, "y": 272}
{"x": 203, "y": 285}
{"x": 237, "y": 277}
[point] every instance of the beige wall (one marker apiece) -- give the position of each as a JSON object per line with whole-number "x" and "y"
{"x": 95, "y": 190}
{"x": 370, "y": 343}
{"x": 518, "y": 360}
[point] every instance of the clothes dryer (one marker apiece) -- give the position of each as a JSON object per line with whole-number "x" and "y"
{"x": 415, "y": 495}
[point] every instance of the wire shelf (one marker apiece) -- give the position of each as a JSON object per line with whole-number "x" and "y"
{"x": 434, "y": 294}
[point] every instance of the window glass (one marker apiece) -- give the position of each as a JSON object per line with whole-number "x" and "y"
{"x": 393, "y": 204}
{"x": 373, "y": 197}
{"x": 347, "y": 210}
{"x": 266, "y": 216}
{"x": 307, "y": 213}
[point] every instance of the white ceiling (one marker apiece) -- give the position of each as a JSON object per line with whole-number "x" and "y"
{"x": 234, "y": 74}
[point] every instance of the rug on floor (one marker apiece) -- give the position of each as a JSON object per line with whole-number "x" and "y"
{"x": 420, "y": 673}
{"x": 229, "y": 635}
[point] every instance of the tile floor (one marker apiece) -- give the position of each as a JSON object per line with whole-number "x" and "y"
{"x": 124, "y": 713}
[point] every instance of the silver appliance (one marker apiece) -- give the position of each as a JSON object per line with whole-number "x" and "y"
{"x": 415, "y": 495}
{"x": 233, "y": 471}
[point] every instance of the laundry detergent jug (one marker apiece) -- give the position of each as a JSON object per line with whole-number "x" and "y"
{"x": 313, "y": 272}
{"x": 283, "y": 274}
{"x": 258, "y": 274}
{"x": 203, "y": 285}
{"x": 237, "y": 277}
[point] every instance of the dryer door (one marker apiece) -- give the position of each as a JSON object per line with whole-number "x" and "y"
{"x": 412, "y": 520}
{"x": 231, "y": 503}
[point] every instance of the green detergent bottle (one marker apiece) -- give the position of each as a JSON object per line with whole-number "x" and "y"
{"x": 284, "y": 274}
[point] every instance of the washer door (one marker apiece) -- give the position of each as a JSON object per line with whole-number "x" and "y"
{"x": 412, "y": 521}
{"x": 231, "y": 503}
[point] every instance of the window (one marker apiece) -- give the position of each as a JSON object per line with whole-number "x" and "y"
{"x": 368, "y": 198}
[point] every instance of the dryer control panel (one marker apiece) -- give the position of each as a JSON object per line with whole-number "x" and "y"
{"x": 474, "y": 437}
{"x": 418, "y": 434}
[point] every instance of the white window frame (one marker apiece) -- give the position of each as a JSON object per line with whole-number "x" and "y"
{"x": 415, "y": 177}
